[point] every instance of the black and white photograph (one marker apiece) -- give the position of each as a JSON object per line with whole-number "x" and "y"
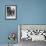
{"x": 10, "y": 11}
{"x": 31, "y": 34}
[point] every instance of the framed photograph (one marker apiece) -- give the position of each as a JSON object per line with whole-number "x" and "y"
{"x": 33, "y": 32}
{"x": 10, "y": 12}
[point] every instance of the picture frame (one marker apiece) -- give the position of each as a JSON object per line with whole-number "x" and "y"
{"x": 39, "y": 28}
{"x": 10, "y": 12}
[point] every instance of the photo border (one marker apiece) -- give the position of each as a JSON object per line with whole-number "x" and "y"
{"x": 5, "y": 12}
{"x": 19, "y": 28}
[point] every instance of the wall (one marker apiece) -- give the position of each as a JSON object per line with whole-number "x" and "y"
{"x": 28, "y": 12}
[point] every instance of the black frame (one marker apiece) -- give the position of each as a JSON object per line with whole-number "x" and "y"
{"x": 6, "y": 12}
